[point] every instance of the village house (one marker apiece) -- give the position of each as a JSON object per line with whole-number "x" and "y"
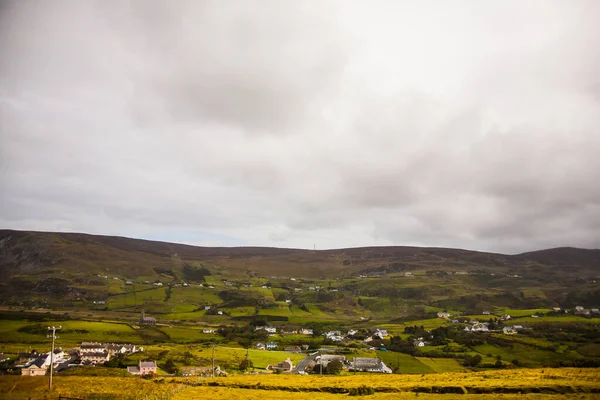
{"x": 37, "y": 367}
{"x": 208, "y": 330}
{"x": 509, "y": 330}
{"x": 143, "y": 368}
{"x": 91, "y": 347}
{"x": 305, "y": 331}
{"x": 595, "y": 311}
{"x": 443, "y": 314}
{"x": 505, "y": 317}
{"x": 271, "y": 345}
{"x": 485, "y": 312}
{"x": 366, "y": 364}
{"x": 25, "y": 358}
{"x": 381, "y": 332}
{"x": 284, "y": 366}
{"x": 95, "y": 358}
{"x": 332, "y": 334}
{"x": 479, "y": 327}
{"x": 260, "y": 346}
{"x": 419, "y": 343}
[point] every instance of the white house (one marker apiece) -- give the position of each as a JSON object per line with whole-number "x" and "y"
{"x": 381, "y": 332}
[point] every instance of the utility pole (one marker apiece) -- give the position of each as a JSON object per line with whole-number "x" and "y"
{"x": 53, "y": 329}
{"x": 213, "y": 362}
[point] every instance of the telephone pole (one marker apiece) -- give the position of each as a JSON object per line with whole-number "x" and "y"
{"x": 53, "y": 329}
{"x": 213, "y": 362}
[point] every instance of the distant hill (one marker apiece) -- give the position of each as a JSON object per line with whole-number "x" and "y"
{"x": 77, "y": 253}
{"x": 116, "y": 274}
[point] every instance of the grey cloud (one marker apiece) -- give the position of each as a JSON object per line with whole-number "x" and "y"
{"x": 333, "y": 123}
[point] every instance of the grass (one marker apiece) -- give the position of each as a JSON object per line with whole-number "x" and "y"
{"x": 523, "y": 313}
{"x": 405, "y": 363}
{"x": 72, "y": 333}
{"x": 442, "y": 364}
{"x": 186, "y": 334}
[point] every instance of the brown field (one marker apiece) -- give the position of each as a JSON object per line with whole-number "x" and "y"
{"x": 555, "y": 384}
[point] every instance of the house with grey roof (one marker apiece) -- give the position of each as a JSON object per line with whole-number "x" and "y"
{"x": 368, "y": 364}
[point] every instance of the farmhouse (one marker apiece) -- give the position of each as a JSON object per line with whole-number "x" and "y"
{"x": 143, "y": 368}
{"x": 305, "y": 331}
{"x": 366, "y": 364}
{"x": 509, "y": 330}
{"x": 443, "y": 314}
{"x": 381, "y": 333}
{"x": 419, "y": 343}
{"x": 260, "y": 346}
{"x": 208, "y": 330}
{"x": 284, "y": 366}
{"x": 37, "y": 367}
{"x": 271, "y": 345}
{"x": 479, "y": 327}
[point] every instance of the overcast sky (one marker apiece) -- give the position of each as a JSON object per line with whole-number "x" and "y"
{"x": 471, "y": 124}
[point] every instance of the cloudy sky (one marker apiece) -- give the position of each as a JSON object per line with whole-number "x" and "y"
{"x": 471, "y": 124}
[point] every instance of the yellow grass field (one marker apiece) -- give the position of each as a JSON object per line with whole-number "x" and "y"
{"x": 557, "y": 384}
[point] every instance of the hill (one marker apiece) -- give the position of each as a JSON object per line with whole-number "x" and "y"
{"x": 73, "y": 270}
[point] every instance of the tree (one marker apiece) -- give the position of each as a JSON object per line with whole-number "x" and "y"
{"x": 334, "y": 367}
{"x": 170, "y": 367}
{"x": 246, "y": 364}
{"x": 472, "y": 361}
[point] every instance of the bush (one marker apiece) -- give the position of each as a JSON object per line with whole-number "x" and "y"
{"x": 246, "y": 364}
{"x": 361, "y": 391}
{"x": 334, "y": 367}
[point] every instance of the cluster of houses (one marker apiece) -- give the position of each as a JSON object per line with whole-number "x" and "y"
{"x": 334, "y": 336}
{"x": 88, "y": 353}
{"x": 579, "y": 310}
{"x": 97, "y": 353}
{"x": 36, "y": 364}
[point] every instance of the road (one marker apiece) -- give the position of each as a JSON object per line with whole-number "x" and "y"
{"x": 301, "y": 366}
